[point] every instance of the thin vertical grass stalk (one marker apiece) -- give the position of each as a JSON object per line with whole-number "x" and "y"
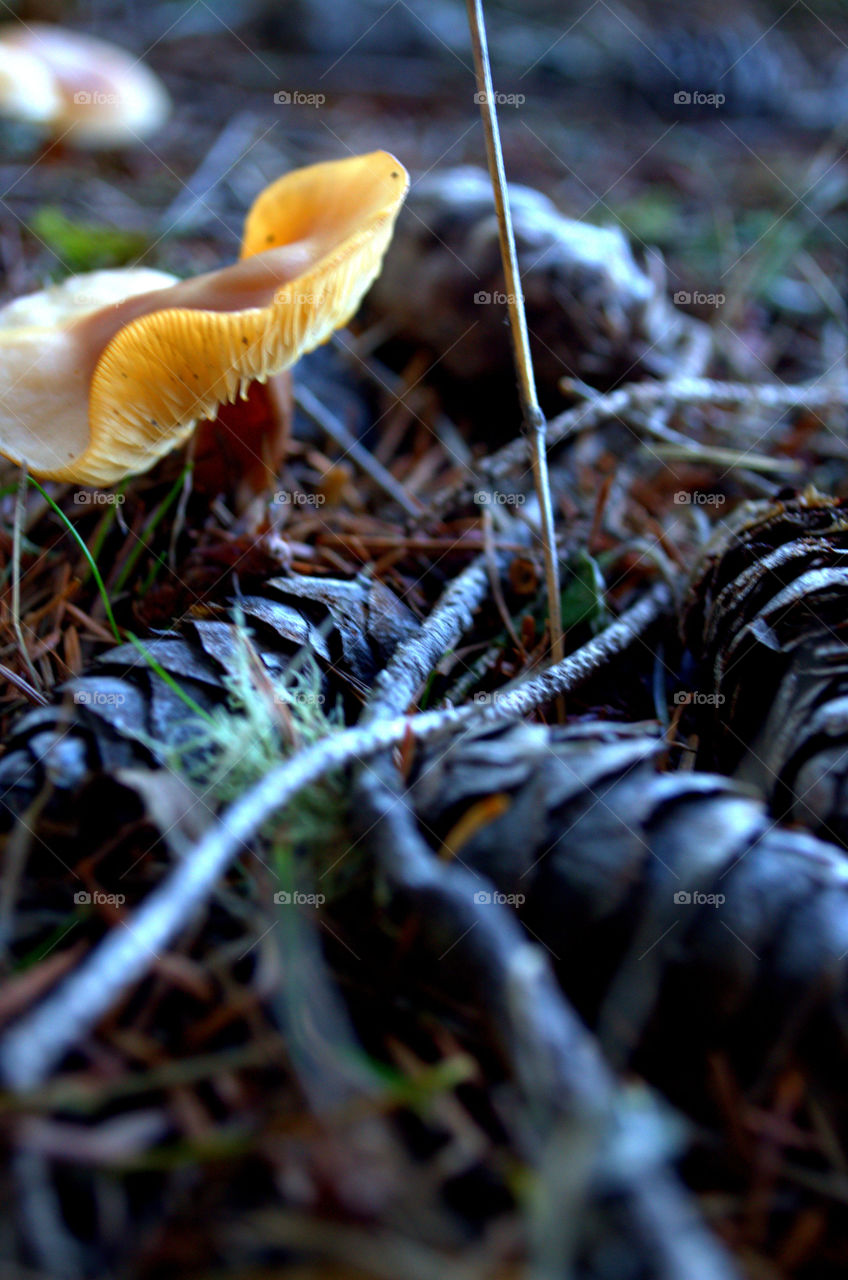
{"x": 17, "y": 532}
{"x": 533, "y": 424}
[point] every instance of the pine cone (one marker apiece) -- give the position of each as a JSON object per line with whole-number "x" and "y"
{"x": 767, "y": 615}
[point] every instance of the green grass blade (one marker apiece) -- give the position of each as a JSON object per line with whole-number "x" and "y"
{"x": 101, "y": 586}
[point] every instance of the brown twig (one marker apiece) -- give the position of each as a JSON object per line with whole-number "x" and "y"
{"x": 635, "y": 398}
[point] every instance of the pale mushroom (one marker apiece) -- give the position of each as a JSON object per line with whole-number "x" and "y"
{"x": 88, "y": 92}
{"x": 28, "y": 89}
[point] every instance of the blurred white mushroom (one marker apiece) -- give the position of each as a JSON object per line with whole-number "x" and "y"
{"x": 28, "y": 89}
{"x": 86, "y": 91}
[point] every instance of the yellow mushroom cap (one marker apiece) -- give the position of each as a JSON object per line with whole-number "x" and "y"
{"x": 91, "y": 92}
{"x": 106, "y": 373}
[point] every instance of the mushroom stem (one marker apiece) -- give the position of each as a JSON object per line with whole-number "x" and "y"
{"x": 533, "y": 424}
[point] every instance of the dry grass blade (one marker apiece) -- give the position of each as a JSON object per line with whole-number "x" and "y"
{"x": 20, "y": 514}
{"x": 534, "y": 422}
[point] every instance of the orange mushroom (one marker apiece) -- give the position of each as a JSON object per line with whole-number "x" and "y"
{"x": 87, "y": 91}
{"x": 102, "y": 375}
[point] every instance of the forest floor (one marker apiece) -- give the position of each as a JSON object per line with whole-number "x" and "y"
{"x": 343, "y": 1067}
